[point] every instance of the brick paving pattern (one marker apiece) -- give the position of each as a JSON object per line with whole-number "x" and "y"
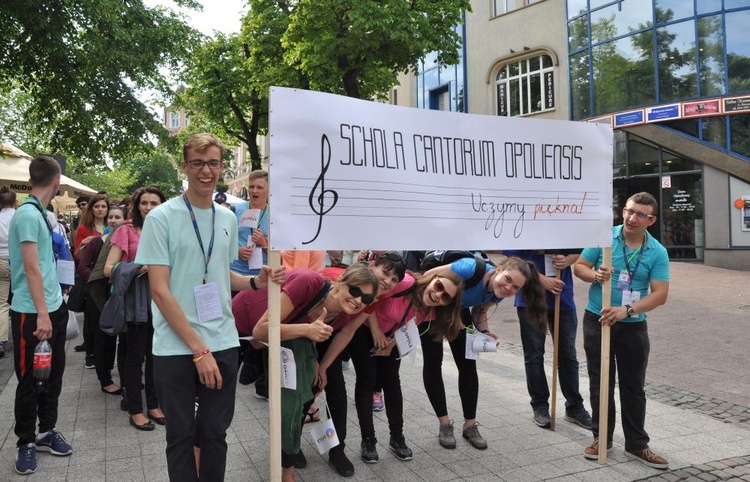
{"x": 698, "y": 390}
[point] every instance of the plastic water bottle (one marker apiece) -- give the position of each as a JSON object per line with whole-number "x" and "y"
{"x": 42, "y": 366}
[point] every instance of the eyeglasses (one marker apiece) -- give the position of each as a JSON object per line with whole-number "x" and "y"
{"x": 82, "y": 205}
{"x": 356, "y": 292}
{"x": 440, "y": 288}
{"x": 197, "y": 164}
{"x": 641, "y": 216}
{"x": 116, "y": 206}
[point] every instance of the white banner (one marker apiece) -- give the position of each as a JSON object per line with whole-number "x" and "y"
{"x": 352, "y": 174}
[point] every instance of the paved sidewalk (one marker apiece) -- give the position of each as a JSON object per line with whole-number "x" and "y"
{"x": 687, "y": 422}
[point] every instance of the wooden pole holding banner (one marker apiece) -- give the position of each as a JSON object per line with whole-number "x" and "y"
{"x": 274, "y": 369}
{"x": 555, "y": 353}
{"x": 604, "y": 366}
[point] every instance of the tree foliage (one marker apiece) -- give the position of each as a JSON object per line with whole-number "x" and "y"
{"x": 101, "y": 177}
{"x": 349, "y": 47}
{"x": 358, "y": 47}
{"x": 79, "y": 66}
{"x": 222, "y": 91}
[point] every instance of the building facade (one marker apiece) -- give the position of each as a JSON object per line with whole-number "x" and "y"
{"x": 672, "y": 77}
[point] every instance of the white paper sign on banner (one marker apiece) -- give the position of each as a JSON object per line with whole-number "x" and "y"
{"x": 250, "y": 218}
{"x": 470, "y": 354}
{"x": 288, "y": 369}
{"x": 549, "y": 266}
{"x": 324, "y": 434}
{"x": 255, "y": 261}
{"x": 484, "y": 344}
{"x": 438, "y": 178}
{"x": 407, "y": 338}
{"x": 66, "y": 272}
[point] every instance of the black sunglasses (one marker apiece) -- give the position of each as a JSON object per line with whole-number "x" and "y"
{"x": 391, "y": 256}
{"x": 356, "y": 292}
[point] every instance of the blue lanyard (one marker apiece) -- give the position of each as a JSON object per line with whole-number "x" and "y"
{"x": 206, "y": 258}
{"x": 631, "y": 275}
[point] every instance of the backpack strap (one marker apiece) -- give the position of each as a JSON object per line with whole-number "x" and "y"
{"x": 476, "y": 278}
{"x": 321, "y": 294}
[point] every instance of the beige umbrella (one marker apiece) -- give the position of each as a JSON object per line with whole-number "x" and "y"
{"x": 14, "y": 173}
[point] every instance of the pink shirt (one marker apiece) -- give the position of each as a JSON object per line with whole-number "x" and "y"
{"x": 126, "y": 238}
{"x": 302, "y": 286}
{"x": 391, "y": 311}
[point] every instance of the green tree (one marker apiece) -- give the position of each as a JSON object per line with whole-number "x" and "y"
{"x": 349, "y": 47}
{"x": 221, "y": 91}
{"x": 358, "y": 47}
{"x": 101, "y": 177}
{"x": 80, "y": 66}
{"x": 152, "y": 168}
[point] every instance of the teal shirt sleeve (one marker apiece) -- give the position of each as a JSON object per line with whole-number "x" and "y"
{"x": 660, "y": 270}
{"x": 153, "y": 248}
{"x": 594, "y": 256}
{"x": 28, "y": 226}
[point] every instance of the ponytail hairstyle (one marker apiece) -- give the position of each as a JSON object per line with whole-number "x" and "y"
{"x": 533, "y": 292}
{"x": 391, "y": 261}
{"x": 7, "y": 197}
{"x": 447, "y": 318}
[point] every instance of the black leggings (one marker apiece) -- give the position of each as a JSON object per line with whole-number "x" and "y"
{"x": 432, "y": 373}
{"x": 370, "y": 370}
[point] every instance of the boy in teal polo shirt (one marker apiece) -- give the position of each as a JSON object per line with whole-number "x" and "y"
{"x": 188, "y": 244}
{"x": 36, "y": 313}
{"x": 640, "y": 283}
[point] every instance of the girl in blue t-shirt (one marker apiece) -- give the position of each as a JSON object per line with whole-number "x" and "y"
{"x": 503, "y": 281}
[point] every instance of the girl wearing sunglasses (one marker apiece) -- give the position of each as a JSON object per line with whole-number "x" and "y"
{"x": 505, "y": 280}
{"x": 309, "y": 303}
{"x": 434, "y": 302}
{"x": 389, "y": 269}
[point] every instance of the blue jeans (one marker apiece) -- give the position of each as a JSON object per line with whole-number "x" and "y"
{"x": 567, "y": 362}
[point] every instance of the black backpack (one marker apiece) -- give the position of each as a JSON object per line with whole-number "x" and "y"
{"x": 433, "y": 259}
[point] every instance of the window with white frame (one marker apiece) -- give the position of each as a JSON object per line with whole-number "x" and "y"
{"x": 174, "y": 119}
{"x": 505, "y": 6}
{"x": 525, "y": 87}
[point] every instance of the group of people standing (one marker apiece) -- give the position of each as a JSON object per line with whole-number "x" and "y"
{"x": 195, "y": 256}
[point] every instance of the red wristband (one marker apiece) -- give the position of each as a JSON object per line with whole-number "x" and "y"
{"x": 201, "y": 353}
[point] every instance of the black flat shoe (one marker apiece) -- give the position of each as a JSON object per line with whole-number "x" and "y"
{"x": 115, "y": 392}
{"x": 158, "y": 420}
{"x": 146, "y": 427}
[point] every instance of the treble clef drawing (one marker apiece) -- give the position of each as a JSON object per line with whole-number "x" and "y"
{"x": 319, "y": 193}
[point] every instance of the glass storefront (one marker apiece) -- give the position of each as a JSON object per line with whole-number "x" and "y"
{"x": 640, "y": 53}
{"x": 675, "y": 182}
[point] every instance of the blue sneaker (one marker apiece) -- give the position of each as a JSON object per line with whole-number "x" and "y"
{"x": 54, "y": 443}
{"x": 26, "y": 459}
